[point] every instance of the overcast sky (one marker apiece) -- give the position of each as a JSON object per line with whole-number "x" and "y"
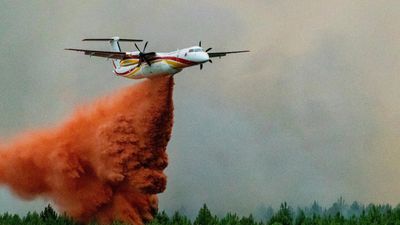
{"x": 312, "y": 113}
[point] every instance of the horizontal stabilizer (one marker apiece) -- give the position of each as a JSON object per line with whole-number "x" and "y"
{"x": 112, "y": 39}
{"x": 105, "y": 54}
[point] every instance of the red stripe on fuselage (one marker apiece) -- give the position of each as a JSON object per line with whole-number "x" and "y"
{"x": 184, "y": 61}
{"x": 124, "y": 73}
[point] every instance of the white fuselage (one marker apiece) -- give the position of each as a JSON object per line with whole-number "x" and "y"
{"x": 162, "y": 64}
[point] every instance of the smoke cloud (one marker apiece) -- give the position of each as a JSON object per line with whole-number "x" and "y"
{"x": 106, "y": 162}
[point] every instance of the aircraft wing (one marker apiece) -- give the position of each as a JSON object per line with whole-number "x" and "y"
{"x": 220, "y": 54}
{"x": 105, "y": 54}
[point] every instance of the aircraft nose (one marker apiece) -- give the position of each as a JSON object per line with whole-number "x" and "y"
{"x": 204, "y": 57}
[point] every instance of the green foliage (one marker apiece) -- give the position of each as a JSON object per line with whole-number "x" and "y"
{"x": 357, "y": 214}
{"x": 300, "y": 218}
{"x": 178, "y": 219}
{"x": 284, "y": 216}
{"x": 161, "y": 218}
{"x": 205, "y": 217}
{"x": 230, "y": 219}
{"x": 48, "y": 214}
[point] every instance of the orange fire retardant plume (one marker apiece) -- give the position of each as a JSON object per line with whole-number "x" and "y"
{"x": 105, "y": 162}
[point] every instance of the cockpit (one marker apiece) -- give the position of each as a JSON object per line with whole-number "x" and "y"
{"x": 196, "y": 54}
{"x": 195, "y": 50}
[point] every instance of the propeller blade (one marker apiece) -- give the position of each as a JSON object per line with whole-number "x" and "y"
{"x": 210, "y": 60}
{"x": 199, "y": 43}
{"x": 137, "y": 47}
{"x": 147, "y": 60}
{"x": 201, "y": 66}
{"x": 145, "y": 45}
{"x": 208, "y": 49}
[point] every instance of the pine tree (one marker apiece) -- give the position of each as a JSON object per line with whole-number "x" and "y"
{"x": 48, "y": 214}
{"x": 230, "y": 219}
{"x": 178, "y": 219}
{"x": 316, "y": 209}
{"x": 162, "y": 218}
{"x": 205, "y": 217}
{"x": 283, "y": 216}
{"x": 300, "y": 218}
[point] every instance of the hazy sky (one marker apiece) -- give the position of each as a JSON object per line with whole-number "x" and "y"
{"x": 312, "y": 113}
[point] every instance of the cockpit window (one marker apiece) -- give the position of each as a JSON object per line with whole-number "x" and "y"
{"x": 195, "y": 50}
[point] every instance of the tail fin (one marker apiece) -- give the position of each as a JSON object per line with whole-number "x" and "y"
{"x": 116, "y": 48}
{"x": 114, "y": 41}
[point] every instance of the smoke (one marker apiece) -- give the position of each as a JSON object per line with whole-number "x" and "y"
{"x": 106, "y": 162}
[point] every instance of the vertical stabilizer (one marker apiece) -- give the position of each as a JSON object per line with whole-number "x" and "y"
{"x": 116, "y": 48}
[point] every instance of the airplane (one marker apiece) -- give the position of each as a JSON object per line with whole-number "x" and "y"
{"x": 141, "y": 64}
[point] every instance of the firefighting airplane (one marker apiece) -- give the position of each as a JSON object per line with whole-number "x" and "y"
{"x": 140, "y": 64}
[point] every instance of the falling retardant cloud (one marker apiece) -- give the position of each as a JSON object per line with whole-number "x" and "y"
{"x": 105, "y": 163}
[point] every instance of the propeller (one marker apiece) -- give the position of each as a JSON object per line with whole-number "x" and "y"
{"x": 208, "y": 49}
{"x": 143, "y": 54}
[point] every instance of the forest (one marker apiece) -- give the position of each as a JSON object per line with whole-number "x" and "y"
{"x": 337, "y": 214}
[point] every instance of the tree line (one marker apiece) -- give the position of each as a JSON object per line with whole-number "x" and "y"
{"x": 338, "y": 214}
